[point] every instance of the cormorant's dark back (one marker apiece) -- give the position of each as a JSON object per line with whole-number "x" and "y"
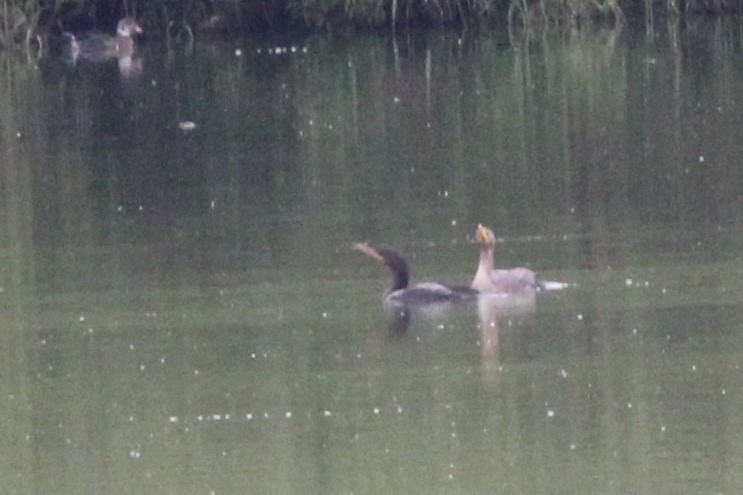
{"x": 423, "y": 293}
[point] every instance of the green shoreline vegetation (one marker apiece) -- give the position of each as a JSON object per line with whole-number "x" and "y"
{"x": 32, "y": 22}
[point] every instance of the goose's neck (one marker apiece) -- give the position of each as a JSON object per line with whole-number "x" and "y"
{"x": 484, "y": 268}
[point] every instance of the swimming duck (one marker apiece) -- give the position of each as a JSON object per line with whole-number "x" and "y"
{"x": 99, "y": 47}
{"x": 514, "y": 280}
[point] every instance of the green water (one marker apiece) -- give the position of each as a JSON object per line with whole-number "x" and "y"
{"x": 182, "y": 312}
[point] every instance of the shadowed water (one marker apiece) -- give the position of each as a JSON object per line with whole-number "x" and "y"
{"x": 181, "y": 311}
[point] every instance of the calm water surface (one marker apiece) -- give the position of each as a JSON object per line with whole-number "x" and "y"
{"x": 181, "y": 311}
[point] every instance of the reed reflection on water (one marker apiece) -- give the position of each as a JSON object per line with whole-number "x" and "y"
{"x": 183, "y": 312}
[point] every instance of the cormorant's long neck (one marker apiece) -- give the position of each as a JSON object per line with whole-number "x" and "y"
{"x": 398, "y": 267}
{"x": 399, "y": 277}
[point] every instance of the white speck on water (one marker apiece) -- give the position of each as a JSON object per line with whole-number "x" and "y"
{"x": 327, "y": 413}
{"x": 288, "y": 414}
{"x": 200, "y": 417}
{"x": 572, "y": 446}
{"x": 563, "y": 373}
{"x": 82, "y": 318}
{"x": 693, "y": 367}
{"x": 141, "y": 367}
{"x": 634, "y": 331}
{"x": 701, "y": 158}
{"x": 399, "y": 410}
{"x": 131, "y": 347}
{"x": 550, "y": 413}
{"x": 238, "y": 52}
{"x": 249, "y": 417}
{"x": 135, "y": 454}
{"x": 195, "y": 372}
{"x": 212, "y": 204}
{"x": 376, "y": 410}
{"x": 162, "y": 360}
{"x": 173, "y": 419}
{"x": 580, "y": 317}
{"x": 446, "y": 193}
{"x": 723, "y": 391}
{"x": 663, "y": 290}
{"x": 628, "y": 282}
{"x": 324, "y": 314}
{"x": 454, "y": 222}
{"x": 252, "y": 355}
{"x": 131, "y": 418}
{"x": 396, "y": 99}
{"x": 451, "y": 476}
{"x": 629, "y": 405}
{"x": 662, "y": 428}
{"x": 358, "y": 355}
{"x": 141, "y": 207}
{"x": 265, "y": 415}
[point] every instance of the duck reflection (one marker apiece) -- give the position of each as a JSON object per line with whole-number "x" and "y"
{"x": 493, "y": 311}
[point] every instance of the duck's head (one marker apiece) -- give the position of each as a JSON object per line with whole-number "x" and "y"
{"x": 484, "y": 237}
{"x": 128, "y": 27}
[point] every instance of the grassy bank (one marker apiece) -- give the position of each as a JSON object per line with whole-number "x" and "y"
{"x": 30, "y": 21}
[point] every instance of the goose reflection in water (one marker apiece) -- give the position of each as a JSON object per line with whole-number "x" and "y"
{"x": 494, "y": 310}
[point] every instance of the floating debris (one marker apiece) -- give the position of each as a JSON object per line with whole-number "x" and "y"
{"x": 186, "y": 125}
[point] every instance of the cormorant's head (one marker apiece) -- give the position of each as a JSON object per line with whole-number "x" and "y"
{"x": 484, "y": 236}
{"x": 396, "y": 264}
